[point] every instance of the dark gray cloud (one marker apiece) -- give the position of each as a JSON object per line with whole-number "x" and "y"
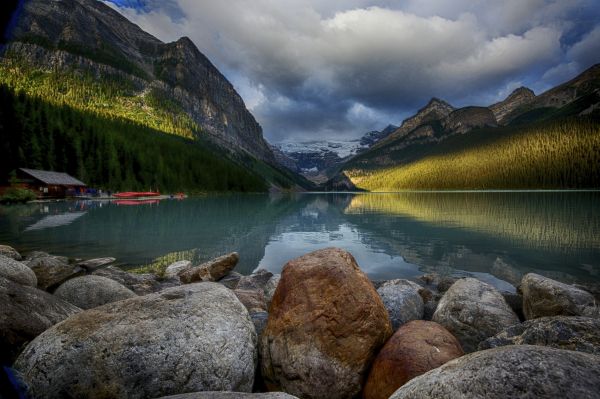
{"x": 336, "y": 68}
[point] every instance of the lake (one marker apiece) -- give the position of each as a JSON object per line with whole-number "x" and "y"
{"x": 494, "y": 236}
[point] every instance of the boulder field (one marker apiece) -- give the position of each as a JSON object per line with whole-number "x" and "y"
{"x": 320, "y": 329}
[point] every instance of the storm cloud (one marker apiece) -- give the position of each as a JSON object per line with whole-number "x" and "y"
{"x": 315, "y": 69}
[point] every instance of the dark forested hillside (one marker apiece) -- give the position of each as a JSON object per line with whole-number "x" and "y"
{"x": 111, "y": 153}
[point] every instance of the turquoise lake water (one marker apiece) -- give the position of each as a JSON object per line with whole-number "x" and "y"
{"x": 495, "y": 236}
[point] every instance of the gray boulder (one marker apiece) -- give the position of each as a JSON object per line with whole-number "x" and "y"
{"x": 25, "y": 313}
{"x": 402, "y": 301}
{"x": 256, "y": 280}
{"x": 576, "y": 333}
{"x": 40, "y": 254}
{"x": 546, "y": 297}
{"x": 231, "y": 280}
{"x": 17, "y": 271}
{"x": 94, "y": 264}
{"x": 473, "y": 311}
{"x": 519, "y": 371}
{"x": 175, "y": 268}
{"x": 213, "y": 270}
{"x": 141, "y": 284}
{"x": 189, "y": 338}
{"x": 10, "y": 252}
{"x": 51, "y": 271}
{"x": 270, "y": 287}
{"x": 231, "y": 395}
{"x": 88, "y": 292}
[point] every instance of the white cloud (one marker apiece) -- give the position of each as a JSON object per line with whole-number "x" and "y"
{"x": 304, "y": 66}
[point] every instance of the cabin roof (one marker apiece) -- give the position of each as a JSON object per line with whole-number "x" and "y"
{"x": 53, "y": 178}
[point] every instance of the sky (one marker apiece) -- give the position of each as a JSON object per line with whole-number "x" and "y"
{"x": 335, "y": 69}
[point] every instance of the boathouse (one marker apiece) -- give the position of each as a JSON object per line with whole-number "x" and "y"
{"x": 48, "y": 184}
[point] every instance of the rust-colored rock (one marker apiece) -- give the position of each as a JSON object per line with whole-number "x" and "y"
{"x": 417, "y": 347}
{"x": 213, "y": 270}
{"x": 325, "y": 326}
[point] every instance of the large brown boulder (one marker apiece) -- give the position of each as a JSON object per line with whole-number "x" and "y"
{"x": 417, "y": 347}
{"x": 543, "y": 296}
{"x": 213, "y": 270}
{"x": 473, "y": 311}
{"x": 325, "y": 326}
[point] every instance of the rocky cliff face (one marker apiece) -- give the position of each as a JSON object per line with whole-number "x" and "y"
{"x": 517, "y": 98}
{"x": 435, "y": 109}
{"x": 375, "y": 136}
{"x": 585, "y": 84}
{"x": 464, "y": 119}
{"x": 73, "y": 34}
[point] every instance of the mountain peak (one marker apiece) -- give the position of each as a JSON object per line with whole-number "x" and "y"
{"x": 434, "y": 101}
{"x": 521, "y": 91}
{"x": 435, "y": 109}
{"x": 517, "y": 98}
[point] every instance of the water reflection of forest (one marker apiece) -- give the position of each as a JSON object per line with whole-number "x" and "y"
{"x": 568, "y": 221}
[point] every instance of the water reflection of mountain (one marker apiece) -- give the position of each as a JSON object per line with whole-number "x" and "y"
{"x": 50, "y": 221}
{"x": 498, "y": 234}
{"x": 504, "y": 234}
{"x": 203, "y": 227}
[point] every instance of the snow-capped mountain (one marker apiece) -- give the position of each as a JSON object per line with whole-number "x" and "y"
{"x": 312, "y": 158}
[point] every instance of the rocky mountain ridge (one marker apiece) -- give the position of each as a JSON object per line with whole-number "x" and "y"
{"x": 438, "y": 121}
{"x": 87, "y": 35}
{"x": 517, "y": 98}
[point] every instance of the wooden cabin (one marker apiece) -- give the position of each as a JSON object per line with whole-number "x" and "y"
{"x": 48, "y": 184}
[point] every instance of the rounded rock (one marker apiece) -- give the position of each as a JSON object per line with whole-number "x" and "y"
{"x": 191, "y": 338}
{"x": 91, "y": 291}
{"x": 417, "y": 347}
{"x": 25, "y": 313}
{"x": 177, "y": 267}
{"x": 10, "y": 252}
{"x": 543, "y": 296}
{"x": 473, "y": 311}
{"x": 402, "y": 300}
{"x": 517, "y": 371}
{"x": 51, "y": 271}
{"x": 576, "y": 333}
{"x": 325, "y": 324}
{"x": 17, "y": 272}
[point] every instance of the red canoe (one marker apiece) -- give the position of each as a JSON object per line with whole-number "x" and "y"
{"x": 136, "y": 194}
{"x": 137, "y": 202}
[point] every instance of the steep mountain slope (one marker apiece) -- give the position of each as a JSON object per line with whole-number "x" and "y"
{"x": 517, "y": 98}
{"x": 429, "y": 145}
{"x": 84, "y": 54}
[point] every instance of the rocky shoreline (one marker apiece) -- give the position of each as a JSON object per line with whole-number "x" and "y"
{"x": 321, "y": 329}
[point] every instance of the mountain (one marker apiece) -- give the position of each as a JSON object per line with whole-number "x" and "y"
{"x": 371, "y": 138}
{"x": 525, "y": 141}
{"x": 516, "y": 99}
{"x": 314, "y": 159}
{"x": 84, "y": 54}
